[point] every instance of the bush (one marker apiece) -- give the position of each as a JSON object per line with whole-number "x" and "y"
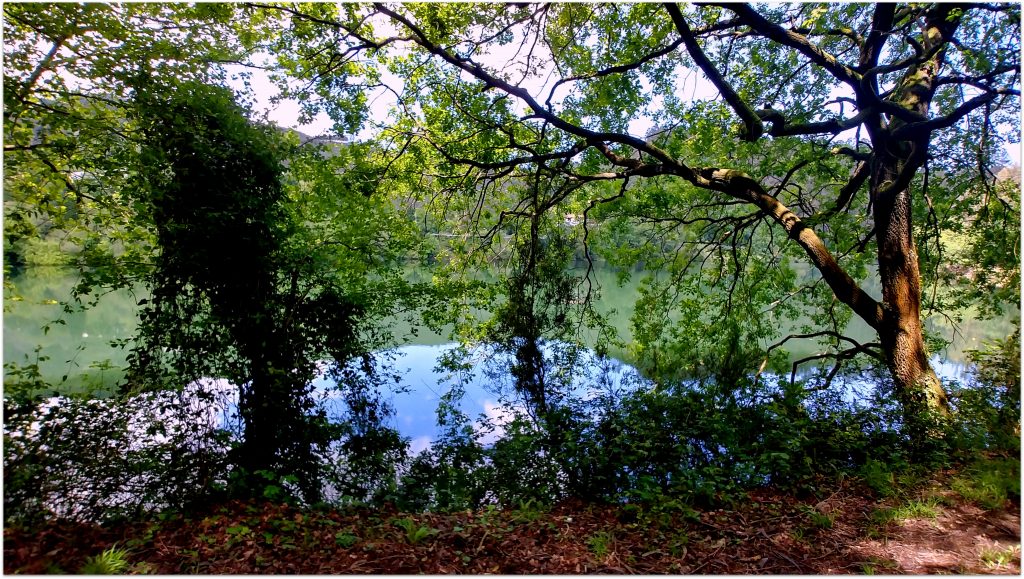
{"x": 104, "y": 459}
{"x": 697, "y": 441}
{"x": 988, "y": 406}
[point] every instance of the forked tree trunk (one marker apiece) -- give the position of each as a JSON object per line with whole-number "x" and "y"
{"x": 896, "y": 159}
{"x": 901, "y": 330}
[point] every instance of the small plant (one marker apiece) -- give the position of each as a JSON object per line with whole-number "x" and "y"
{"x": 999, "y": 557}
{"x": 528, "y": 512}
{"x": 678, "y": 543}
{"x": 113, "y": 561}
{"x": 600, "y": 543}
{"x": 345, "y": 540}
{"x": 414, "y": 533}
{"x": 820, "y": 519}
{"x": 238, "y": 531}
{"x": 918, "y": 509}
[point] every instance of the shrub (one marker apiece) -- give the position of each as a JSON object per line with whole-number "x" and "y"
{"x": 101, "y": 459}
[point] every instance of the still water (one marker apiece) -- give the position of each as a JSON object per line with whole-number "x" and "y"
{"x": 73, "y": 350}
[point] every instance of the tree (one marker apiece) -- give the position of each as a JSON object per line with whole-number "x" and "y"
{"x": 263, "y": 277}
{"x": 258, "y": 254}
{"x": 69, "y": 145}
{"x": 829, "y": 122}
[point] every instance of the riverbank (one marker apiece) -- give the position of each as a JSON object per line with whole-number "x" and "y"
{"x": 959, "y": 520}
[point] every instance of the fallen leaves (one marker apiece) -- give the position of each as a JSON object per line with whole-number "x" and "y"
{"x": 771, "y": 533}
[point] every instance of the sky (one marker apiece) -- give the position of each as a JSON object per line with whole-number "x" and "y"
{"x": 286, "y": 112}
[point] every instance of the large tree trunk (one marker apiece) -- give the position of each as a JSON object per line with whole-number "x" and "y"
{"x": 895, "y": 161}
{"x": 901, "y": 330}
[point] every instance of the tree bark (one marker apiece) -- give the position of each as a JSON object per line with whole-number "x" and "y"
{"x": 894, "y": 163}
{"x": 901, "y": 330}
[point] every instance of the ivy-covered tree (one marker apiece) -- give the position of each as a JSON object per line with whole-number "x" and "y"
{"x": 265, "y": 260}
{"x": 240, "y": 290}
{"x": 69, "y": 146}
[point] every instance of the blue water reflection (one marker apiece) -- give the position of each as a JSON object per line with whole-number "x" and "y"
{"x": 488, "y": 394}
{"x": 485, "y": 383}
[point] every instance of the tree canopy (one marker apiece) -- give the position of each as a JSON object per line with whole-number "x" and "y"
{"x": 851, "y": 138}
{"x": 772, "y": 172}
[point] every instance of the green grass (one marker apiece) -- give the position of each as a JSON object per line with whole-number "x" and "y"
{"x": 912, "y": 509}
{"x": 989, "y": 482}
{"x": 600, "y": 543}
{"x": 113, "y": 561}
{"x": 999, "y": 557}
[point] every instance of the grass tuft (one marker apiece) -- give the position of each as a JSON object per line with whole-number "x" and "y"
{"x": 912, "y": 509}
{"x": 999, "y": 557}
{"x": 989, "y": 482}
{"x": 113, "y": 561}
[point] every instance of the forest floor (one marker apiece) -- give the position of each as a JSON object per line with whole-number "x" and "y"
{"x": 939, "y": 525}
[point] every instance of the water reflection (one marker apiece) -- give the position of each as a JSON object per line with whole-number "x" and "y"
{"x": 488, "y": 396}
{"x": 78, "y": 345}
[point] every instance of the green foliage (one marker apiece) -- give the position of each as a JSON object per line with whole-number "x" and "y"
{"x": 70, "y": 152}
{"x": 989, "y": 482}
{"x": 994, "y": 557}
{"x": 414, "y": 532}
{"x": 879, "y": 477}
{"x": 237, "y": 291}
{"x": 989, "y": 406}
{"x": 819, "y": 519}
{"x": 269, "y": 264}
{"x": 344, "y": 539}
{"x": 113, "y": 561}
{"x": 911, "y": 509}
{"x": 601, "y": 543}
{"x": 99, "y": 460}
{"x": 662, "y": 451}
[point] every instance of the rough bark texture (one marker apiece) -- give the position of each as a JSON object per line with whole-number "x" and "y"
{"x": 900, "y": 332}
{"x": 894, "y": 165}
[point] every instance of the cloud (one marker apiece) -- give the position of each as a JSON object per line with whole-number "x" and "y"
{"x": 497, "y": 416}
{"x": 418, "y": 444}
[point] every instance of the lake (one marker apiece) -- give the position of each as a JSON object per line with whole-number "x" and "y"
{"x": 74, "y": 351}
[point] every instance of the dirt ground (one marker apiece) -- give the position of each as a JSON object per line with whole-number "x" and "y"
{"x": 771, "y": 533}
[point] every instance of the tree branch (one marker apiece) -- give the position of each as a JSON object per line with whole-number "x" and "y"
{"x": 846, "y": 289}
{"x": 539, "y": 111}
{"x": 793, "y": 40}
{"x": 754, "y": 128}
{"x": 915, "y": 130}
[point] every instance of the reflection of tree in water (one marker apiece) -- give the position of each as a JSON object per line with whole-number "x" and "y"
{"x": 533, "y": 327}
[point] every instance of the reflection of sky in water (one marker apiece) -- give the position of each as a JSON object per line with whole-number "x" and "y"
{"x": 488, "y": 392}
{"x": 488, "y": 396}
{"x": 486, "y": 385}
